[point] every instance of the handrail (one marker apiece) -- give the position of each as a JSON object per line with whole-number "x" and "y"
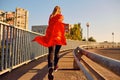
{"x": 111, "y": 64}
{"x": 16, "y": 47}
{"x": 88, "y": 76}
{"x": 108, "y": 63}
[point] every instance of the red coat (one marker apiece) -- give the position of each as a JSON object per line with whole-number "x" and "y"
{"x": 54, "y": 33}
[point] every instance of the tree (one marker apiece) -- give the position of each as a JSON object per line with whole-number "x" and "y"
{"x": 91, "y": 39}
{"x": 75, "y": 33}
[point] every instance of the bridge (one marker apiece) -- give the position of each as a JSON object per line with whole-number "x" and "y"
{"x": 21, "y": 59}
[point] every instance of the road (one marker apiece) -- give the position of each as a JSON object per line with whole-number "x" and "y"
{"x": 113, "y": 53}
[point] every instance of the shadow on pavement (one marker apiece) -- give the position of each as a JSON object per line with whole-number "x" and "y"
{"x": 68, "y": 69}
{"x": 18, "y": 72}
{"x": 41, "y": 74}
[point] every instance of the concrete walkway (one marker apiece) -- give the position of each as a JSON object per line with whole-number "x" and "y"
{"x": 37, "y": 70}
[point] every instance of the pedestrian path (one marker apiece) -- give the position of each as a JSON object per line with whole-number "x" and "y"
{"x": 37, "y": 70}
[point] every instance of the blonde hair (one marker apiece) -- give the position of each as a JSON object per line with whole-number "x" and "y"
{"x": 56, "y": 10}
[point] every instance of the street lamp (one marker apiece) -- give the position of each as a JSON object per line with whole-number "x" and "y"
{"x": 87, "y": 24}
{"x": 113, "y": 36}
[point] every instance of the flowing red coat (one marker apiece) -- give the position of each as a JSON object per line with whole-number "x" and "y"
{"x": 54, "y": 33}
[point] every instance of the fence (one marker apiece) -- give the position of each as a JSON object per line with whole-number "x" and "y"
{"x": 16, "y": 47}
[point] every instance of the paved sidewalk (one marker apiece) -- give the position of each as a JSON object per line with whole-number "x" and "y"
{"x": 37, "y": 70}
{"x": 66, "y": 71}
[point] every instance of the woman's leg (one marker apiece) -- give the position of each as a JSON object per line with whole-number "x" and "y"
{"x": 56, "y": 57}
{"x": 50, "y": 56}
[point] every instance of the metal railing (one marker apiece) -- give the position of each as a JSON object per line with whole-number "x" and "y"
{"x": 16, "y": 47}
{"x": 95, "y": 66}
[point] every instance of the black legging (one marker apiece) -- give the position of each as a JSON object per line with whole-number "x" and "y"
{"x": 56, "y": 55}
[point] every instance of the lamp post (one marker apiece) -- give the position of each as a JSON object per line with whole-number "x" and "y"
{"x": 87, "y": 24}
{"x": 113, "y": 36}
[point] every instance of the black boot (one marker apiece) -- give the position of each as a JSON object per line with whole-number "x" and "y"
{"x": 50, "y": 76}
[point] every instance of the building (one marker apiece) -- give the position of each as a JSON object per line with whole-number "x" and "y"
{"x": 18, "y": 18}
{"x": 67, "y": 28}
{"x": 21, "y": 18}
{"x": 42, "y": 29}
{"x": 39, "y": 28}
{"x": 2, "y": 15}
{"x": 10, "y": 18}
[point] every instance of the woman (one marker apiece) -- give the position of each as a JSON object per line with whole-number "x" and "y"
{"x": 54, "y": 36}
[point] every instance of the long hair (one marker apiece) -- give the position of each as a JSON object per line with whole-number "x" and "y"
{"x": 56, "y": 11}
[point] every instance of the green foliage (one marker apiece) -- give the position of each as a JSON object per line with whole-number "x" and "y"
{"x": 75, "y": 33}
{"x": 91, "y": 39}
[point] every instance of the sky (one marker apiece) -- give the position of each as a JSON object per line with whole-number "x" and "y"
{"x": 102, "y": 15}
